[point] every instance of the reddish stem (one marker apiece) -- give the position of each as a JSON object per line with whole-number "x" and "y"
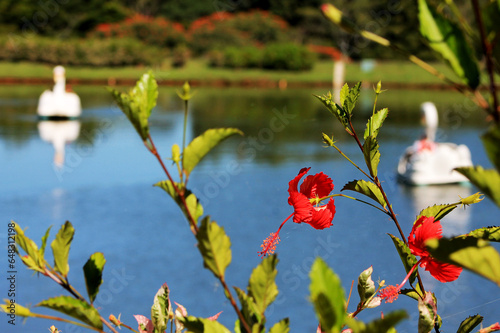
{"x": 154, "y": 151}
{"x": 488, "y": 52}
{"x": 194, "y": 229}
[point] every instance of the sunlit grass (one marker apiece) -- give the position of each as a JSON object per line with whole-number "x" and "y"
{"x": 197, "y": 69}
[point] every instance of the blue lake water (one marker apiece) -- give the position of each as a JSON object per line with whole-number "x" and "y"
{"x": 105, "y": 189}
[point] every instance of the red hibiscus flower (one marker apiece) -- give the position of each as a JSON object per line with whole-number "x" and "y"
{"x": 313, "y": 188}
{"x": 306, "y": 208}
{"x": 426, "y": 228}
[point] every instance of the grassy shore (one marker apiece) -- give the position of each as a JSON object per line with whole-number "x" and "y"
{"x": 396, "y": 72}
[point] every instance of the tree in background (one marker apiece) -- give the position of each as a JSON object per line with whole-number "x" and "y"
{"x": 49, "y": 18}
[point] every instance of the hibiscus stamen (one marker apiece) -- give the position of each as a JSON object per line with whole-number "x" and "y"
{"x": 391, "y": 293}
{"x": 269, "y": 244}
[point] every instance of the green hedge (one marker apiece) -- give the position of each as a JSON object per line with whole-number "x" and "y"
{"x": 287, "y": 56}
{"x": 78, "y": 52}
{"x": 282, "y": 56}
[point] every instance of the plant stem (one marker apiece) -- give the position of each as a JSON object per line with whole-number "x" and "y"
{"x": 349, "y": 297}
{"x": 465, "y": 26}
{"x": 184, "y": 132}
{"x": 130, "y": 328}
{"x": 233, "y": 303}
{"x": 154, "y": 151}
{"x": 395, "y": 219}
{"x": 37, "y": 315}
{"x": 355, "y": 165}
{"x": 365, "y": 202}
{"x": 487, "y": 51}
{"x": 194, "y": 229}
{"x": 108, "y": 325}
{"x": 60, "y": 281}
{"x": 391, "y": 211}
{"x": 355, "y": 136}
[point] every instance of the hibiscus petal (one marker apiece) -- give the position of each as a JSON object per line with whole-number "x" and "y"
{"x": 322, "y": 216}
{"x": 441, "y": 271}
{"x": 424, "y": 229}
{"x": 318, "y": 185}
{"x": 303, "y": 209}
{"x": 293, "y": 184}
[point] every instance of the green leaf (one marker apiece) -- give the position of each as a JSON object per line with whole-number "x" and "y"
{"x": 160, "y": 309}
{"x": 93, "y": 274}
{"x": 487, "y": 180}
{"x": 445, "y": 38}
{"x": 44, "y": 242}
{"x": 283, "y": 326}
{"x": 427, "y": 311}
{"x": 385, "y": 324}
{"x": 34, "y": 260}
{"x": 488, "y": 233}
{"x": 407, "y": 258}
{"x": 491, "y": 143}
{"x": 351, "y": 98}
{"x": 372, "y": 154}
{"x": 327, "y": 296}
{"x": 201, "y": 145}
{"x": 336, "y": 110}
{"x": 367, "y": 188}
{"x": 74, "y": 308}
{"x": 168, "y": 187}
{"x": 21, "y": 311}
{"x": 344, "y": 92}
{"x": 214, "y": 246}
{"x": 139, "y": 102}
{"x": 410, "y": 293}
{"x": 60, "y": 248}
{"x": 261, "y": 285}
{"x": 32, "y": 264}
{"x": 248, "y": 307}
{"x": 203, "y": 325}
{"x": 193, "y": 205}
{"x": 469, "y": 324}
{"x": 470, "y": 253}
{"x": 375, "y": 123}
{"x": 366, "y": 286}
{"x": 437, "y": 211}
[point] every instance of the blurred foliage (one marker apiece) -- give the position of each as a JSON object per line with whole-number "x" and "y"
{"x": 77, "y": 52}
{"x": 49, "y": 18}
{"x": 278, "y": 56}
{"x": 393, "y": 20}
{"x": 150, "y": 30}
{"x": 287, "y": 56}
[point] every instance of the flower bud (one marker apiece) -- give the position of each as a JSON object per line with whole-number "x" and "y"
{"x": 472, "y": 199}
{"x": 114, "y": 320}
{"x": 176, "y": 153}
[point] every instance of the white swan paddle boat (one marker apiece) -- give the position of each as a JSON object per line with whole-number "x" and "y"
{"x": 427, "y": 162}
{"x": 58, "y": 103}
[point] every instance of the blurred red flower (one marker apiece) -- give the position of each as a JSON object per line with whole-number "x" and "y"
{"x": 424, "y": 229}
